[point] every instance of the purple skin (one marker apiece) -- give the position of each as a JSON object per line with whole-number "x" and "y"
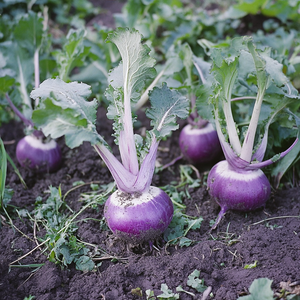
{"x": 242, "y": 191}
{"x": 42, "y": 157}
{"x": 199, "y": 145}
{"x": 138, "y": 217}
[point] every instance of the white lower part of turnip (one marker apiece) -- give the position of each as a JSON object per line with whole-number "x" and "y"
{"x": 138, "y": 217}
{"x": 199, "y": 145}
{"x": 237, "y": 190}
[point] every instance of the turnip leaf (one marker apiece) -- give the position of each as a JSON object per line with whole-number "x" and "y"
{"x": 195, "y": 282}
{"x": 24, "y": 78}
{"x": 72, "y": 53}
{"x": 71, "y": 95}
{"x": 262, "y": 76}
{"x": 130, "y": 76}
{"x": 17, "y": 62}
{"x": 65, "y": 111}
{"x": 203, "y": 68}
{"x": 136, "y": 66}
{"x": 260, "y": 289}
{"x": 166, "y": 106}
{"x": 6, "y": 83}
{"x": 225, "y": 77}
{"x": 29, "y": 31}
{"x": 56, "y": 122}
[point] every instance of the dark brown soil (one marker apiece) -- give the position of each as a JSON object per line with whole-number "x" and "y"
{"x": 220, "y": 255}
{"x": 108, "y": 9}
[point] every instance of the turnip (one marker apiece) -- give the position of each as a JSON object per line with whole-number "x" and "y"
{"x": 136, "y": 212}
{"x": 143, "y": 216}
{"x": 238, "y": 183}
{"x": 199, "y": 144}
{"x": 198, "y": 140}
{"x": 38, "y": 153}
{"x": 21, "y": 58}
{"x": 35, "y": 151}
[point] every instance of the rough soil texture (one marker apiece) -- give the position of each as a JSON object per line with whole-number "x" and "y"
{"x": 220, "y": 256}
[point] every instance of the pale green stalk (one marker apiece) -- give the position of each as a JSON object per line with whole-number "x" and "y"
{"x": 127, "y": 143}
{"x": 246, "y": 152}
{"x": 231, "y": 127}
{"x": 23, "y": 90}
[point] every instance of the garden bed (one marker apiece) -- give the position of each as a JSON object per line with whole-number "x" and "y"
{"x": 205, "y": 264}
{"x": 221, "y": 255}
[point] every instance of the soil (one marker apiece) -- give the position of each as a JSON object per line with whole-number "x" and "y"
{"x": 220, "y": 255}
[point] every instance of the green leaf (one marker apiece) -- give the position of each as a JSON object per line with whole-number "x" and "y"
{"x": 260, "y": 289}
{"x": 229, "y": 54}
{"x": 185, "y": 242}
{"x": 284, "y": 164}
{"x": 203, "y": 66}
{"x": 62, "y": 245}
{"x": 126, "y": 84}
{"x": 24, "y": 78}
{"x": 136, "y": 67}
{"x": 18, "y": 63}
{"x": 150, "y": 295}
{"x": 116, "y": 109}
{"x": 176, "y": 227}
{"x": 72, "y": 54}
{"x": 167, "y": 294}
{"x": 196, "y": 283}
{"x": 225, "y": 75}
{"x": 57, "y": 122}
{"x": 65, "y": 252}
{"x": 50, "y": 209}
{"x": 186, "y": 55}
{"x": 29, "y": 31}
{"x": 281, "y": 40}
{"x": 203, "y": 93}
{"x": 132, "y": 10}
{"x": 6, "y": 83}
{"x": 84, "y": 263}
{"x": 290, "y": 159}
{"x": 233, "y": 13}
{"x": 166, "y": 105}
{"x": 180, "y": 289}
{"x": 184, "y": 29}
{"x": 65, "y": 111}
{"x": 194, "y": 224}
{"x": 71, "y": 95}
{"x": 250, "y": 6}
{"x": 260, "y": 66}
{"x": 8, "y": 193}
{"x": 274, "y": 69}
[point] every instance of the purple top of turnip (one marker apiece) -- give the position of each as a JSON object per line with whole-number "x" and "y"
{"x": 238, "y": 183}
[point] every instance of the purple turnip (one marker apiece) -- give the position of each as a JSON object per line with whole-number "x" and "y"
{"x": 238, "y": 183}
